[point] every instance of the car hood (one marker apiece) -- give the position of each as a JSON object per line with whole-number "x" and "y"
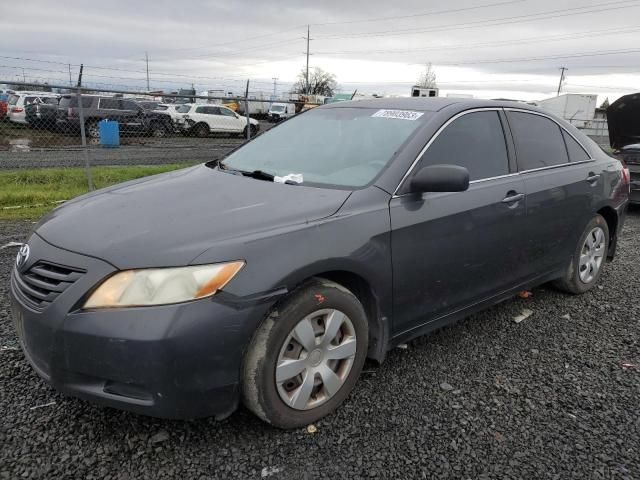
{"x": 169, "y": 219}
{"x": 623, "y": 120}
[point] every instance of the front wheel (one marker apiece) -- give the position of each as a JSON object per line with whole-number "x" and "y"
{"x": 254, "y": 131}
{"x": 588, "y": 258}
{"x": 92, "y": 130}
{"x": 306, "y": 357}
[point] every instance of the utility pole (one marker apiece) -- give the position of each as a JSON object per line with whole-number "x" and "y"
{"x": 562, "y": 70}
{"x": 24, "y": 78}
{"x": 80, "y": 75}
{"x": 275, "y": 79}
{"x": 146, "y": 57}
{"x": 308, "y": 39}
{"x": 246, "y": 110}
{"x": 83, "y": 136}
{"x": 70, "y": 81}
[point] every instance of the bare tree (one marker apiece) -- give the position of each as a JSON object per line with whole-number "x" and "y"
{"x": 427, "y": 78}
{"x": 320, "y": 82}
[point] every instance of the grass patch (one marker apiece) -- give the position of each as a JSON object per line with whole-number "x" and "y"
{"x": 37, "y": 190}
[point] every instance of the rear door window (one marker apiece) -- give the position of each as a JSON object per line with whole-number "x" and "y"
{"x": 538, "y": 141}
{"x": 109, "y": 103}
{"x": 129, "y": 105}
{"x": 576, "y": 152}
{"x": 72, "y": 102}
{"x": 475, "y": 141}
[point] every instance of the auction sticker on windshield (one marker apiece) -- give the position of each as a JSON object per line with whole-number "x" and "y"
{"x": 400, "y": 114}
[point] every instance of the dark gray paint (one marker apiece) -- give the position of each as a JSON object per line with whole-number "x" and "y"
{"x": 425, "y": 260}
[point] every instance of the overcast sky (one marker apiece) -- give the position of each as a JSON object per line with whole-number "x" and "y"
{"x": 488, "y": 48}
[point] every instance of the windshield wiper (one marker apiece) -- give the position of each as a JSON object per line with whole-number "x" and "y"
{"x": 259, "y": 174}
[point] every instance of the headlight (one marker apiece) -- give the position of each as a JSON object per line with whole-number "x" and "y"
{"x": 161, "y": 286}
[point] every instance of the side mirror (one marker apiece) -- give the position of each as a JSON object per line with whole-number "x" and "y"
{"x": 441, "y": 178}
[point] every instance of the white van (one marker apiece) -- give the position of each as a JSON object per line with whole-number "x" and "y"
{"x": 19, "y": 100}
{"x": 281, "y": 111}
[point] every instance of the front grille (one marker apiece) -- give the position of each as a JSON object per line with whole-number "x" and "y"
{"x": 43, "y": 282}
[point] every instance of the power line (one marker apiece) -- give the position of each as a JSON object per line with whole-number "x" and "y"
{"x": 572, "y": 36}
{"x": 414, "y": 15}
{"x": 491, "y": 22}
{"x": 549, "y": 57}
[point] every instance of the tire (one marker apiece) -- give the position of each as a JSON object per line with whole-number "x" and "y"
{"x": 254, "y": 131}
{"x": 91, "y": 129}
{"x": 592, "y": 248}
{"x": 201, "y": 130}
{"x": 284, "y": 402}
{"x": 158, "y": 130}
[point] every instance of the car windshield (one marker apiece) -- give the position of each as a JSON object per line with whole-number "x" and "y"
{"x": 49, "y": 100}
{"x": 342, "y": 147}
{"x": 183, "y": 109}
{"x": 277, "y": 108}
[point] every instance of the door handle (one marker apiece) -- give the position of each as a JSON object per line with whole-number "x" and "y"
{"x": 513, "y": 197}
{"x": 593, "y": 178}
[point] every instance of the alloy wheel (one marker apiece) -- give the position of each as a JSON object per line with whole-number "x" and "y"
{"x": 591, "y": 255}
{"x": 315, "y": 359}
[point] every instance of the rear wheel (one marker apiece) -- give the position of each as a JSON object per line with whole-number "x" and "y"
{"x": 201, "y": 130}
{"x": 588, "y": 258}
{"x": 306, "y": 356}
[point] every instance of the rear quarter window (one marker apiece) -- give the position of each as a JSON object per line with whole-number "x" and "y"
{"x": 575, "y": 150}
{"x": 538, "y": 141}
{"x": 13, "y": 99}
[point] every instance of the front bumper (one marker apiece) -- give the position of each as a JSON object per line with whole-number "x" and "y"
{"x": 175, "y": 361}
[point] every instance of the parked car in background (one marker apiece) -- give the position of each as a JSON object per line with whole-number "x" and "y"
{"x": 203, "y": 119}
{"x": 281, "y": 111}
{"x": 168, "y": 109}
{"x": 133, "y": 118}
{"x": 333, "y": 237}
{"x": 4, "y": 103}
{"x": 43, "y": 113}
{"x": 623, "y": 121}
{"x": 20, "y": 100}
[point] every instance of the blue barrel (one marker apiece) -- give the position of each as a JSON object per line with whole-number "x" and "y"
{"x": 109, "y": 133}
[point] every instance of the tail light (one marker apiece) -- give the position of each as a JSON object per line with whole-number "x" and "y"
{"x": 626, "y": 175}
{"x": 71, "y": 112}
{"x": 17, "y": 110}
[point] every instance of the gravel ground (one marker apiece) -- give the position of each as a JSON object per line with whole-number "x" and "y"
{"x": 549, "y": 397}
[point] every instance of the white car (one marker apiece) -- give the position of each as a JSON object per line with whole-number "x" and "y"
{"x": 169, "y": 109}
{"x": 19, "y": 100}
{"x": 202, "y": 119}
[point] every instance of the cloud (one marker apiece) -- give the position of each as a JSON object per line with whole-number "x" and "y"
{"x": 481, "y": 46}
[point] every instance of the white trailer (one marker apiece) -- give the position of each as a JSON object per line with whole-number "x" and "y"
{"x": 577, "y": 109}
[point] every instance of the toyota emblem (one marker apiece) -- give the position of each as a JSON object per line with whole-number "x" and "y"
{"x": 23, "y": 255}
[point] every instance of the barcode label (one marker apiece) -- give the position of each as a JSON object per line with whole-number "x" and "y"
{"x": 398, "y": 114}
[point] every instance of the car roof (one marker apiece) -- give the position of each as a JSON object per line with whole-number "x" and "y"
{"x": 41, "y": 94}
{"x": 427, "y": 104}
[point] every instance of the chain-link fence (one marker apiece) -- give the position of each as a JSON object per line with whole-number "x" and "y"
{"x": 84, "y": 127}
